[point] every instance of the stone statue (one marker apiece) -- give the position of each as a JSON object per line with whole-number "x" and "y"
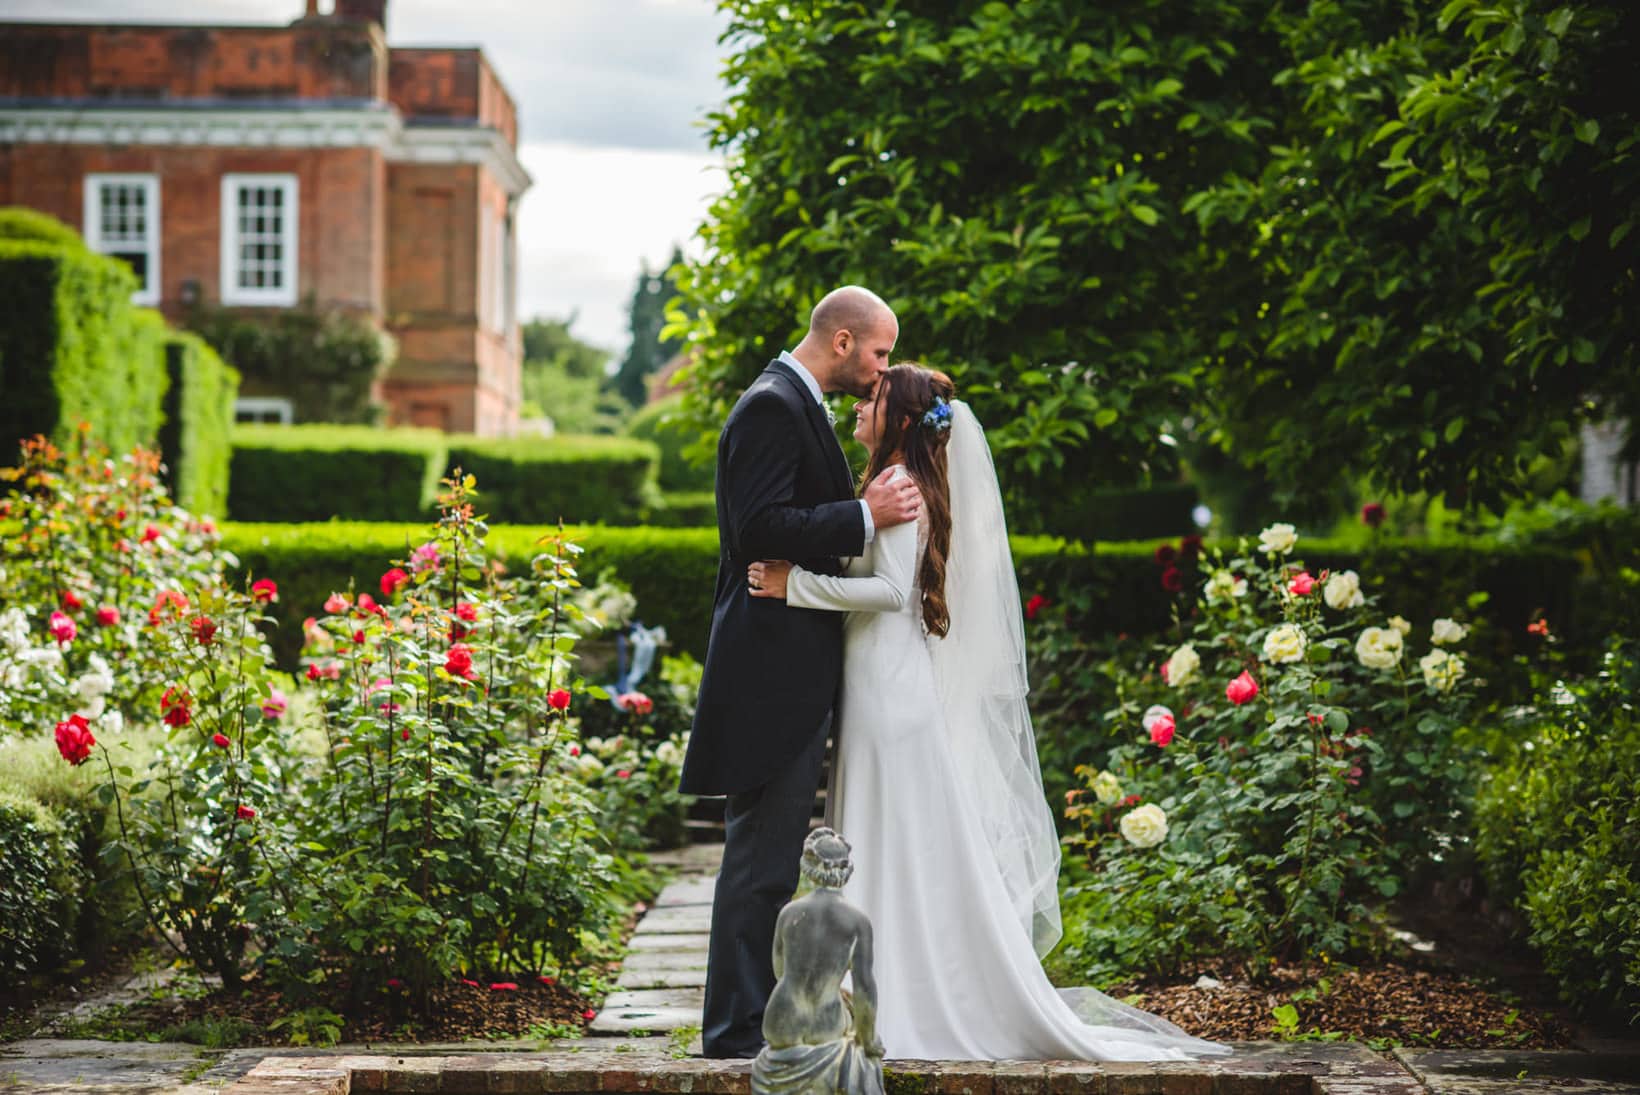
{"x": 822, "y": 1040}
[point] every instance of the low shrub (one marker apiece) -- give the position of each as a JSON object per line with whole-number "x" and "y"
{"x": 315, "y": 473}
{"x": 578, "y": 480}
{"x": 1558, "y": 835}
{"x": 686, "y": 509}
{"x": 46, "y": 885}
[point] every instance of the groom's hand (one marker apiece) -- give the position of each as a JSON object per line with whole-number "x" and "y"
{"x": 892, "y": 502}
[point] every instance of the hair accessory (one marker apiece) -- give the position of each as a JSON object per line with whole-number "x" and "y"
{"x": 938, "y": 416}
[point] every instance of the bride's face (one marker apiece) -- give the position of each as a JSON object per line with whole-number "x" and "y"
{"x": 865, "y": 419}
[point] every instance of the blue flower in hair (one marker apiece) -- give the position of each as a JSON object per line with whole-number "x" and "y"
{"x": 938, "y": 416}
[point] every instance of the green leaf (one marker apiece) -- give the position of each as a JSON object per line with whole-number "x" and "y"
{"x": 1454, "y": 430}
{"x": 1394, "y": 125}
{"x": 1559, "y": 20}
{"x": 1587, "y": 131}
{"x": 1166, "y": 87}
{"x": 1144, "y": 214}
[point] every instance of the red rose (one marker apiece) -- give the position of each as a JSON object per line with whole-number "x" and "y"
{"x": 404, "y": 735}
{"x": 108, "y": 615}
{"x": 329, "y": 671}
{"x": 1131, "y": 800}
{"x": 170, "y": 603}
{"x": 1316, "y": 719}
{"x": 1372, "y": 514}
{"x": 150, "y": 534}
{"x": 358, "y": 638}
{"x": 71, "y": 601}
{"x": 243, "y": 812}
{"x": 466, "y": 610}
{"x": 264, "y": 591}
{"x": 503, "y": 986}
{"x": 1190, "y": 548}
{"x": 635, "y": 702}
{"x": 575, "y": 750}
{"x": 394, "y": 983}
{"x": 589, "y": 1015}
{"x": 74, "y": 739}
{"x": 1538, "y": 627}
{"x": 623, "y": 774}
{"x": 558, "y": 699}
{"x": 393, "y": 581}
{"x": 1172, "y": 580}
{"x": 1036, "y": 604}
{"x": 175, "y": 707}
{"x": 545, "y": 980}
{"x": 204, "y": 630}
{"x": 336, "y": 604}
{"x": 220, "y": 741}
{"x": 1165, "y": 555}
{"x": 1242, "y": 689}
{"x": 62, "y": 628}
{"x": 467, "y": 981}
{"x": 1161, "y": 730}
{"x": 1302, "y": 584}
{"x": 459, "y": 661}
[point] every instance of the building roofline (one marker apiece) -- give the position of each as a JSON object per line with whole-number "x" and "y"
{"x": 156, "y": 102}
{"x": 138, "y": 24}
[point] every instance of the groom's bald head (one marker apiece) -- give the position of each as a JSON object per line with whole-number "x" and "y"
{"x": 851, "y": 332}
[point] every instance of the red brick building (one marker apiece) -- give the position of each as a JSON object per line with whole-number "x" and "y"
{"x": 256, "y": 167}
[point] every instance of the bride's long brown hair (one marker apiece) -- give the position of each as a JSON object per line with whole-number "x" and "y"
{"x": 904, "y": 394}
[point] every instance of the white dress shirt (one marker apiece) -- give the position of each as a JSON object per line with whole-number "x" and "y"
{"x": 813, "y": 385}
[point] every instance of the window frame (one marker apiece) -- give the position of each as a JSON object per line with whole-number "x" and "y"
{"x": 91, "y": 226}
{"x": 283, "y": 409}
{"x": 285, "y": 295}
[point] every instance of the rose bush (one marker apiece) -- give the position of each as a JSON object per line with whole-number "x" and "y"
{"x": 1284, "y": 766}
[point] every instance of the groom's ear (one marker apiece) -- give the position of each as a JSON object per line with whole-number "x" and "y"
{"x": 841, "y": 340}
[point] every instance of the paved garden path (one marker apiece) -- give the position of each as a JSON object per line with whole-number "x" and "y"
{"x": 659, "y": 992}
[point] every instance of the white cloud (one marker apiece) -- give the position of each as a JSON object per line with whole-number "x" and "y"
{"x": 593, "y": 217}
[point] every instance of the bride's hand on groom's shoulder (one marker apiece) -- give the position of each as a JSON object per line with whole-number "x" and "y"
{"x": 892, "y": 501}
{"x": 767, "y": 578}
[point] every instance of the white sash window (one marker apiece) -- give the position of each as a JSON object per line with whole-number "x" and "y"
{"x": 122, "y": 220}
{"x": 259, "y": 239}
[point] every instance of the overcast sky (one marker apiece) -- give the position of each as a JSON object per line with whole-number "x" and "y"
{"x": 609, "y": 92}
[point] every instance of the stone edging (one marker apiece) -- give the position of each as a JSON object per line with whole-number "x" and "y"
{"x": 1334, "y": 1069}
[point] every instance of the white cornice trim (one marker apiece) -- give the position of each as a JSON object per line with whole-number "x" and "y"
{"x": 472, "y": 146}
{"x": 339, "y": 127}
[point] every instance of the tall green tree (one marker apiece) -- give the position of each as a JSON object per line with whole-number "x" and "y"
{"x": 651, "y": 347}
{"x": 564, "y": 379}
{"x": 1116, "y": 222}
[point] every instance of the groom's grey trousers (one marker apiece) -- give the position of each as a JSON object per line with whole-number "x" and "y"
{"x": 764, "y": 830}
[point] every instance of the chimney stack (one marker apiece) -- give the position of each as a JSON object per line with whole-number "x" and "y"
{"x": 362, "y": 11}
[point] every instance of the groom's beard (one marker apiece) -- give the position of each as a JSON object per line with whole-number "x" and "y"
{"x": 856, "y": 377}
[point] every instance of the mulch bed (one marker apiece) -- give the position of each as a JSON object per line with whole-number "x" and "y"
{"x": 1391, "y": 1002}
{"x": 458, "y": 1010}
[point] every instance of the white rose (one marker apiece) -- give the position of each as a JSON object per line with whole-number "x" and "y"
{"x": 1379, "y": 647}
{"x": 1144, "y": 826}
{"x": 668, "y": 753}
{"x": 1224, "y": 586}
{"x": 1343, "y": 590}
{"x": 92, "y": 708}
{"x": 1182, "y": 666}
{"x": 588, "y": 766}
{"x": 13, "y": 629}
{"x": 1107, "y": 789}
{"x": 1401, "y": 624}
{"x": 1447, "y": 631}
{"x": 96, "y": 682}
{"x": 1285, "y": 643}
{"x": 1441, "y": 670}
{"x": 1278, "y": 539}
{"x": 1154, "y": 712}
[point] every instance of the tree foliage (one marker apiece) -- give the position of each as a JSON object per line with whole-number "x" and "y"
{"x": 651, "y": 348}
{"x": 564, "y": 379}
{"x": 1119, "y": 223}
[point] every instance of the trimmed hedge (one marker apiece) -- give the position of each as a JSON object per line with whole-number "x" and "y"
{"x": 686, "y": 509}
{"x": 315, "y": 473}
{"x": 1131, "y": 513}
{"x": 673, "y": 572}
{"x": 658, "y": 422}
{"x": 196, "y": 437}
{"x": 74, "y": 349}
{"x": 587, "y": 480}
{"x": 46, "y": 888}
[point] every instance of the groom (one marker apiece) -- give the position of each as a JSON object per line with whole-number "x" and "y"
{"x": 784, "y": 491}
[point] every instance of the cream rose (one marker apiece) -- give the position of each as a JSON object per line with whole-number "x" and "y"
{"x": 1441, "y": 670}
{"x": 1278, "y": 539}
{"x": 1379, "y": 648}
{"x": 1343, "y": 590}
{"x": 1447, "y": 631}
{"x": 1182, "y": 666}
{"x": 1224, "y": 586}
{"x": 669, "y": 754}
{"x": 588, "y": 766}
{"x": 1401, "y": 624}
{"x": 1285, "y": 643}
{"x": 1144, "y": 826}
{"x": 1107, "y": 789}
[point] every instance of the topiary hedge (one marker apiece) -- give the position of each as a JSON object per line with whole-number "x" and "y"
{"x": 315, "y": 473}
{"x": 658, "y": 422}
{"x": 46, "y": 887}
{"x": 673, "y": 573}
{"x": 686, "y": 509}
{"x": 73, "y": 349}
{"x": 196, "y": 437}
{"x": 587, "y": 480}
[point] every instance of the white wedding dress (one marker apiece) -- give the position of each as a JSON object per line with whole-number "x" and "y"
{"x": 949, "y": 850}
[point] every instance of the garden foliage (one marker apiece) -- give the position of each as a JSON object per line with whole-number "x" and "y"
{"x": 583, "y": 480}
{"x": 313, "y": 473}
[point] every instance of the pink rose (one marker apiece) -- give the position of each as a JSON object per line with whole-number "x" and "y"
{"x": 275, "y": 704}
{"x": 336, "y": 604}
{"x": 1301, "y": 584}
{"x": 62, "y": 628}
{"x": 1161, "y": 731}
{"x": 1242, "y": 689}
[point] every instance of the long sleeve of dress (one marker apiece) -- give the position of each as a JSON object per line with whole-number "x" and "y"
{"x": 894, "y": 557}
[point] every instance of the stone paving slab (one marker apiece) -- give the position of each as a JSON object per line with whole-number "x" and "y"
{"x": 84, "y": 1065}
{"x": 680, "y": 942}
{"x": 651, "y": 961}
{"x": 689, "y": 891}
{"x": 1493, "y": 1072}
{"x": 673, "y": 919}
{"x": 661, "y": 979}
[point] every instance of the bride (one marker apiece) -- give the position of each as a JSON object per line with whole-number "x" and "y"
{"x": 935, "y": 780}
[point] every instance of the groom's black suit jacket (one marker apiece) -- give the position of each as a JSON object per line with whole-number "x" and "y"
{"x": 784, "y": 491}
